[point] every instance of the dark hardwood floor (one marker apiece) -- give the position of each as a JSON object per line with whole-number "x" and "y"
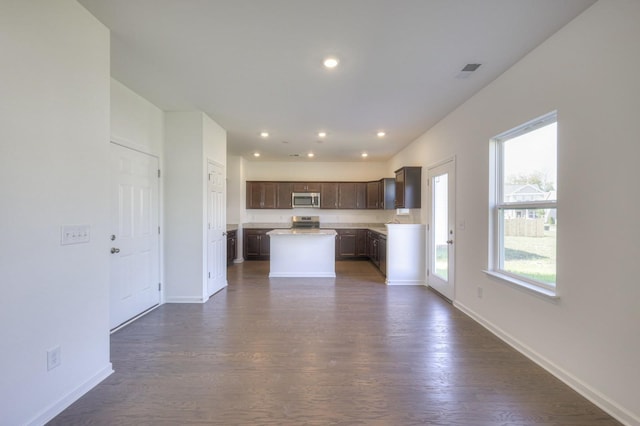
{"x": 348, "y": 351}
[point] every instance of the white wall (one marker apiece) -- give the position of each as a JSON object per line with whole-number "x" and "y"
{"x": 316, "y": 171}
{"x": 135, "y": 122}
{"x": 191, "y": 139}
{"x": 588, "y": 72}
{"x": 234, "y": 188}
{"x": 54, "y": 139}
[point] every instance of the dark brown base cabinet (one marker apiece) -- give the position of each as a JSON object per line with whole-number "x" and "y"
{"x": 377, "y": 250}
{"x": 232, "y": 246}
{"x": 256, "y": 244}
{"x": 351, "y": 244}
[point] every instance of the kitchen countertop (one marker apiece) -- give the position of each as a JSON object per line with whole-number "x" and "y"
{"x": 232, "y": 227}
{"x": 302, "y": 232}
{"x": 377, "y": 227}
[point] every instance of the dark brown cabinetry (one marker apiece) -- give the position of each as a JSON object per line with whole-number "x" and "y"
{"x": 377, "y": 250}
{"x": 261, "y": 195}
{"x": 256, "y": 244}
{"x": 232, "y": 244}
{"x": 381, "y": 194}
{"x": 306, "y": 186}
{"x": 329, "y": 195}
{"x": 343, "y": 195}
{"x": 333, "y": 195}
{"x": 408, "y": 187}
{"x": 372, "y": 247}
{"x": 382, "y": 254}
{"x": 269, "y": 195}
{"x": 351, "y": 244}
{"x": 283, "y": 195}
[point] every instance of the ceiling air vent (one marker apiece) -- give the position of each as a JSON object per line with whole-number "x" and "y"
{"x": 467, "y": 70}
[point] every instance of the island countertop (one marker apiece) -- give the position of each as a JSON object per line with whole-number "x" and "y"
{"x": 302, "y": 232}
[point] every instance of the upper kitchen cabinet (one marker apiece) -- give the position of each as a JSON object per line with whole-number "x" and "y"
{"x": 329, "y": 195}
{"x": 283, "y": 195}
{"x": 306, "y": 186}
{"x": 343, "y": 195}
{"x": 268, "y": 195}
{"x": 408, "y": 188}
{"x": 381, "y": 194}
{"x": 352, "y": 195}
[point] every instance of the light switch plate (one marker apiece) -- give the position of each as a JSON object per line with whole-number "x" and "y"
{"x": 74, "y": 234}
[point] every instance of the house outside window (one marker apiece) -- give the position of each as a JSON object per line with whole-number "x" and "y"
{"x": 524, "y": 204}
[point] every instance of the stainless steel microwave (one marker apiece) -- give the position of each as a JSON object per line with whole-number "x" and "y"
{"x": 305, "y": 199}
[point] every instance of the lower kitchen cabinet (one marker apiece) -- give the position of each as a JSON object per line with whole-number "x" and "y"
{"x": 232, "y": 246}
{"x": 351, "y": 244}
{"x": 256, "y": 244}
{"x": 382, "y": 254}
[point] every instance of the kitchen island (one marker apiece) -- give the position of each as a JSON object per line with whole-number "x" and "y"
{"x": 302, "y": 253}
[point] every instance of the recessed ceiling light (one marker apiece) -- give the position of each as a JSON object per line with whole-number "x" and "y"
{"x": 256, "y": 154}
{"x": 322, "y": 134}
{"x": 381, "y": 134}
{"x": 331, "y": 62}
{"x": 364, "y": 155}
{"x": 310, "y": 155}
{"x": 264, "y": 134}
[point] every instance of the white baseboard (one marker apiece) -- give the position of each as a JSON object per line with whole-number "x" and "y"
{"x": 619, "y": 413}
{"x": 185, "y": 299}
{"x": 60, "y": 405}
{"x": 403, "y": 282}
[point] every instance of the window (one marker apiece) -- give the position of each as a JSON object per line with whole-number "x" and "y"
{"x": 524, "y": 210}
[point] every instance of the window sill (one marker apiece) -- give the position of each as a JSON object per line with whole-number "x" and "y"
{"x": 540, "y": 291}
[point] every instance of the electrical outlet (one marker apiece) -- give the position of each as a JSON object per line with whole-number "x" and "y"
{"x": 53, "y": 358}
{"x": 479, "y": 292}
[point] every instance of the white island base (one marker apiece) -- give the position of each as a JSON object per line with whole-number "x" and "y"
{"x": 302, "y": 253}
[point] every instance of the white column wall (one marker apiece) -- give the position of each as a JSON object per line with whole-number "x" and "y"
{"x": 54, "y": 140}
{"x": 588, "y": 72}
{"x": 184, "y": 186}
{"x": 192, "y": 139}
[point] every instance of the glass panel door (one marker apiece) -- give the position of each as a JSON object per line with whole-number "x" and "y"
{"x": 441, "y": 229}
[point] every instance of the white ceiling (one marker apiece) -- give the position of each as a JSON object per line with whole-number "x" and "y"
{"x": 255, "y": 65}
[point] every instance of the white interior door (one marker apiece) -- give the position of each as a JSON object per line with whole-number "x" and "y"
{"x": 441, "y": 253}
{"x": 134, "y": 236}
{"x": 217, "y": 227}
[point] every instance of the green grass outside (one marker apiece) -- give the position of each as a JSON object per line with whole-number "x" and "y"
{"x": 532, "y": 257}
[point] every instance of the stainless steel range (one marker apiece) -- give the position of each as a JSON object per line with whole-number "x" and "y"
{"x": 305, "y": 222}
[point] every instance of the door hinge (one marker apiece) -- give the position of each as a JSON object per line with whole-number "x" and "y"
{"x": 427, "y": 272}
{"x": 159, "y": 173}
{"x": 158, "y": 230}
{"x": 159, "y": 286}
{"x": 209, "y": 274}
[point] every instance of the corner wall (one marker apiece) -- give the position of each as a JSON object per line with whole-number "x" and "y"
{"x": 588, "y": 72}
{"x": 54, "y": 139}
{"x": 192, "y": 139}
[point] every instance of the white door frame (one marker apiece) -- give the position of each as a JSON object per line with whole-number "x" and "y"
{"x": 443, "y": 285}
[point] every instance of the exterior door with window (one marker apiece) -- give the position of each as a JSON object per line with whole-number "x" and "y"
{"x": 441, "y": 251}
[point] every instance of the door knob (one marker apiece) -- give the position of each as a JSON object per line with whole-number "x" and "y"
{"x": 449, "y": 241}
{"x": 115, "y": 250}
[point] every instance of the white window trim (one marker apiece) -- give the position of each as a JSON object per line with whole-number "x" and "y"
{"x": 496, "y": 205}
